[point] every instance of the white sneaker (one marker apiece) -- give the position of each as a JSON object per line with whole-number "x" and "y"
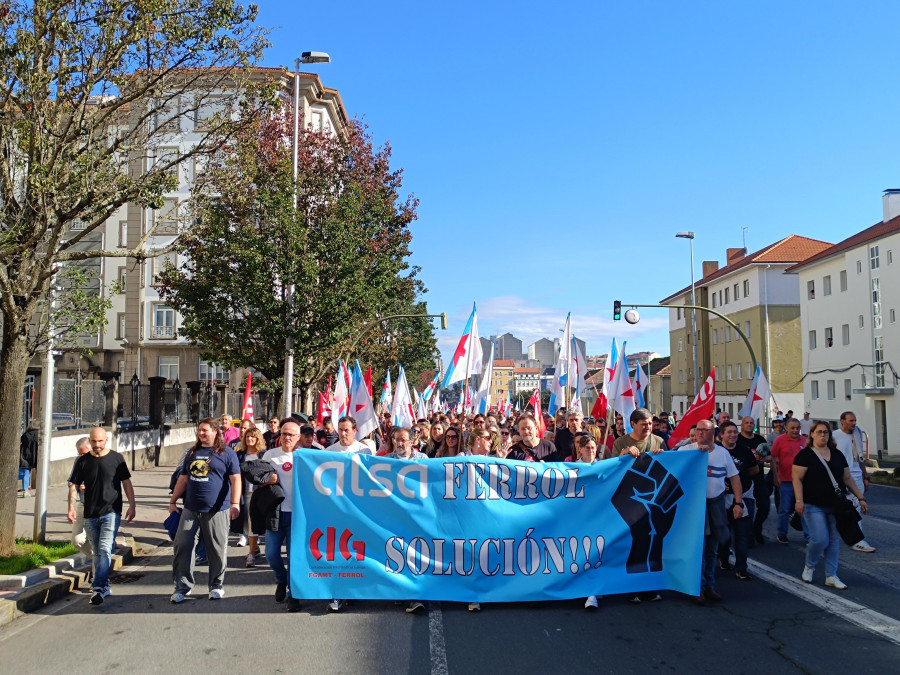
{"x": 591, "y": 602}
{"x": 834, "y": 582}
{"x": 178, "y": 597}
{"x": 242, "y": 541}
{"x": 335, "y": 606}
{"x": 807, "y": 574}
{"x": 474, "y": 606}
{"x": 863, "y": 547}
{"x": 414, "y": 606}
{"x": 250, "y": 561}
{"x": 217, "y": 594}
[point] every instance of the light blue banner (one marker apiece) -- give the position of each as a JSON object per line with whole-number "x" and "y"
{"x": 479, "y": 529}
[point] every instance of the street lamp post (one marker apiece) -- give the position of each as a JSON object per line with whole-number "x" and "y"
{"x": 690, "y": 237}
{"x": 305, "y": 57}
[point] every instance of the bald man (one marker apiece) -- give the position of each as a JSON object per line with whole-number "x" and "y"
{"x": 104, "y": 474}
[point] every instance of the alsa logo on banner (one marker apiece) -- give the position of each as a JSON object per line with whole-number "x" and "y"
{"x": 343, "y": 545}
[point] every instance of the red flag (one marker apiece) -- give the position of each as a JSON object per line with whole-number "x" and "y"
{"x": 324, "y": 409}
{"x": 535, "y": 403}
{"x": 703, "y": 407}
{"x": 599, "y": 409}
{"x": 368, "y": 378}
{"x": 247, "y": 411}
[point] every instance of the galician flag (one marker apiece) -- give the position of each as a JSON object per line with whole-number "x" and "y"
{"x": 601, "y": 407}
{"x": 341, "y": 404}
{"x": 757, "y": 397}
{"x": 362, "y": 409}
{"x": 432, "y": 386}
{"x": 402, "y": 413}
{"x": 620, "y": 392}
{"x": 467, "y": 358}
{"x": 386, "y": 396}
{"x": 640, "y": 386}
{"x": 579, "y": 375}
{"x": 482, "y": 403}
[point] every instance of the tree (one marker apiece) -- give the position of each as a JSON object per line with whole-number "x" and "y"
{"x": 344, "y": 248}
{"x": 88, "y": 89}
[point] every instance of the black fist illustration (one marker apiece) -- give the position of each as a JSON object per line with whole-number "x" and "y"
{"x": 647, "y": 499}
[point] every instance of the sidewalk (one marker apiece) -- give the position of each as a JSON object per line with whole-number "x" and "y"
{"x": 140, "y": 537}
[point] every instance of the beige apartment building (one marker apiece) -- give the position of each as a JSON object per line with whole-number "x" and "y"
{"x": 753, "y": 292}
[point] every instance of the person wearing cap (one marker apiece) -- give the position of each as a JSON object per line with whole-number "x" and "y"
{"x": 308, "y": 438}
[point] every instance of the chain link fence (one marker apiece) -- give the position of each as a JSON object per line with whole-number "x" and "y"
{"x": 78, "y": 403}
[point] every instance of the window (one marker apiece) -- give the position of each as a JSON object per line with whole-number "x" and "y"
{"x": 829, "y": 390}
{"x": 811, "y": 290}
{"x": 715, "y": 336}
{"x": 120, "y": 367}
{"x": 123, "y": 233}
{"x": 845, "y": 334}
{"x": 829, "y": 338}
{"x": 121, "y": 278}
{"x": 750, "y": 372}
{"x": 212, "y": 371}
{"x": 678, "y": 313}
{"x": 814, "y": 390}
{"x": 159, "y": 264}
{"x": 211, "y": 107}
{"x": 747, "y": 329}
{"x": 746, "y": 287}
{"x": 680, "y": 377}
{"x": 714, "y": 300}
{"x": 166, "y": 114}
{"x": 843, "y": 281}
{"x": 739, "y": 375}
{"x": 680, "y": 344}
{"x": 120, "y": 325}
{"x": 893, "y": 317}
{"x": 890, "y": 257}
{"x": 812, "y": 339}
{"x": 166, "y": 156}
{"x": 737, "y": 292}
{"x": 727, "y": 333}
{"x": 729, "y": 372}
{"x": 859, "y": 266}
{"x": 862, "y": 321}
{"x": 826, "y": 285}
{"x": 168, "y": 367}
{"x": 720, "y": 298}
{"x": 848, "y": 389}
{"x": 718, "y": 374}
{"x": 166, "y": 218}
{"x": 727, "y": 293}
{"x": 873, "y": 258}
{"x": 163, "y": 322}
{"x": 879, "y": 361}
{"x": 876, "y": 302}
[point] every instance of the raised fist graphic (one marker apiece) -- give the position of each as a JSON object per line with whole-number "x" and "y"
{"x": 646, "y": 499}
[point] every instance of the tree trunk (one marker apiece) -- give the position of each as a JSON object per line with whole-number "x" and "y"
{"x": 13, "y": 368}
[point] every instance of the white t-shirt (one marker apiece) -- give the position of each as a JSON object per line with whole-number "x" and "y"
{"x": 844, "y": 443}
{"x": 283, "y": 463}
{"x": 720, "y": 466}
{"x": 806, "y": 426}
{"x": 355, "y": 446}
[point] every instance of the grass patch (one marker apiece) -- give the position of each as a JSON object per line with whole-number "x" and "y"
{"x": 885, "y": 477}
{"x": 29, "y": 556}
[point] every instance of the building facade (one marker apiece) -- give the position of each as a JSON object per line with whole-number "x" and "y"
{"x": 849, "y": 331}
{"x": 504, "y": 380}
{"x": 754, "y": 293}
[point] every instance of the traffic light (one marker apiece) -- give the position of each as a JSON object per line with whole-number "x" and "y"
{"x": 617, "y": 310}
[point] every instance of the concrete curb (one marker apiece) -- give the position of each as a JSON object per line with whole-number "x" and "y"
{"x": 56, "y": 580}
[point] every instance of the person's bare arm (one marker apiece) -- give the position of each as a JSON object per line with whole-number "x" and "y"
{"x": 129, "y": 492}
{"x": 73, "y": 492}
{"x": 180, "y": 488}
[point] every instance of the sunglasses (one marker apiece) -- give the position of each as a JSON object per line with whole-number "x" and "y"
{"x": 451, "y": 436}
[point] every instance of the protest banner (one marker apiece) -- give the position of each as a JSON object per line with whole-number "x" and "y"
{"x": 480, "y": 529}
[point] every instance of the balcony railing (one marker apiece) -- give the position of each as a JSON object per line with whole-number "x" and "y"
{"x": 161, "y": 332}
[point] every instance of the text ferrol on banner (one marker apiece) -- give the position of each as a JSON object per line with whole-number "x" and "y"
{"x": 479, "y": 529}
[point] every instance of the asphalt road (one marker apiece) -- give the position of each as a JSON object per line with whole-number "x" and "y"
{"x": 772, "y": 624}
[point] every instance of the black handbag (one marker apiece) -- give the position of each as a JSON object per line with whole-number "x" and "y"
{"x": 845, "y": 514}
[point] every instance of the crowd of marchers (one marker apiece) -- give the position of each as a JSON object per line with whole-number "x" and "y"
{"x": 234, "y": 484}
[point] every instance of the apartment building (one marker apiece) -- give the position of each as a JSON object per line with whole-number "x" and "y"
{"x": 849, "y": 331}
{"x": 754, "y": 292}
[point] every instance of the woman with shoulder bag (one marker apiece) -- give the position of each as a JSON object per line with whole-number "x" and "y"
{"x": 819, "y": 469}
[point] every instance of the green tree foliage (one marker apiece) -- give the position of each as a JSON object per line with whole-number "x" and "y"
{"x": 87, "y": 89}
{"x": 344, "y": 248}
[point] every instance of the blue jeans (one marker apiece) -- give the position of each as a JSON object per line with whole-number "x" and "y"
{"x": 274, "y": 541}
{"x": 103, "y": 531}
{"x": 25, "y": 477}
{"x": 786, "y": 508}
{"x": 823, "y": 538}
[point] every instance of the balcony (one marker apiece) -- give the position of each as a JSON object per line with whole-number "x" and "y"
{"x": 162, "y": 332}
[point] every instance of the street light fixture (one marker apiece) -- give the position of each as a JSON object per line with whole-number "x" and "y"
{"x": 690, "y": 237}
{"x": 305, "y": 57}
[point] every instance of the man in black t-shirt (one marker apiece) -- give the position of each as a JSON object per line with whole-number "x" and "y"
{"x": 532, "y": 447}
{"x": 565, "y": 437}
{"x": 762, "y": 489}
{"x": 104, "y": 474}
{"x": 741, "y": 528}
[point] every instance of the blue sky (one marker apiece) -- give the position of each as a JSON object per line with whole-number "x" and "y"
{"x": 556, "y": 148}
